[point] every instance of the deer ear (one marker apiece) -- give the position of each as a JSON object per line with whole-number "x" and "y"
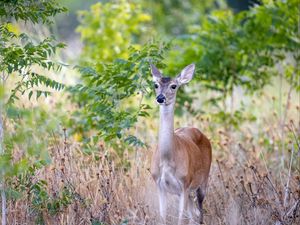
{"x": 186, "y": 74}
{"x": 155, "y": 73}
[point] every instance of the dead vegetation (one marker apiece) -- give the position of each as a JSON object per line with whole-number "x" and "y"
{"x": 254, "y": 179}
{"x": 93, "y": 189}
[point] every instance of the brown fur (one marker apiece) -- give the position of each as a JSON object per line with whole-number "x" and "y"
{"x": 191, "y": 158}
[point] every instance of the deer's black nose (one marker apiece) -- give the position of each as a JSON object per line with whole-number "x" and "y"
{"x": 160, "y": 98}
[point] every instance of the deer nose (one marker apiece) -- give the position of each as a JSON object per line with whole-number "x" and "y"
{"x": 160, "y": 98}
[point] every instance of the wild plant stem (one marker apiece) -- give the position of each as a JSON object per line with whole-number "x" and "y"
{"x": 282, "y": 125}
{"x": 284, "y": 116}
{"x": 136, "y": 132}
{"x": 3, "y": 199}
{"x": 293, "y": 130}
{"x": 280, "y": 149}
{"x": 2, "y": 182}
{"x": 222, "y": 177}
{"x": 287, "y": 191}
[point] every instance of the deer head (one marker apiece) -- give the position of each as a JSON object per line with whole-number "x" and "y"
{"x": 166, "y": 87}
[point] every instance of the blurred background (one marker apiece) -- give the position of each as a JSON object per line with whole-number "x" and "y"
{"x": 79, "y": 121}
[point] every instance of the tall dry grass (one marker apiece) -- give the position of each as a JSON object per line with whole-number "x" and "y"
{"x": 254, "y": 179}
{"x": 243, "y": 188}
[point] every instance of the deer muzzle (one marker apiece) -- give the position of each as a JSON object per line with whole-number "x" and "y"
{"x": 161, "y": 98}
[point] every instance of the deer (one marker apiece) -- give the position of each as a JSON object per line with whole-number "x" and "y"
{"x": 181, "y": 161}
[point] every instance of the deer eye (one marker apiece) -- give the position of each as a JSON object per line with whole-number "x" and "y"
{"x": 155, "y": 86}
{"x": 174, "y": 86}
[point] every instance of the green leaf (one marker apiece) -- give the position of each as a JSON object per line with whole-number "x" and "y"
{"x": 38, "y": 94}
{"x": 30, "y": 94}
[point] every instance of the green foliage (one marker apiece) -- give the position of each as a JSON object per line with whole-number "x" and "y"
{"x": 108, "y": 29}
{"x": 41, "y": 202}
{"x": 223, "y": 58}
{"x": 276, "y": 25}
{"x": 26, "y": 139}
{"x": 30, "y": 10}
{"x": 109, "y": 100}
{"x": 241, "y": 50}
{"x": 21, "y": 54}
{"x": 238, "y": 50}
{"x": 172, "y": 18}
{"x": 22, "y": 58}
{"x": 231, "y": 51}
{"x": 117, "y": 74}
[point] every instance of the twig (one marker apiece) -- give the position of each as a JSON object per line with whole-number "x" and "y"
{"x": 293, "y": 209}
{"x": 284, "y": 116}
{"x": 273, "y": 187}
{"x": 293, "y": 130}
{"x": 222, "y": 178}
{"x": 287, "y": 191}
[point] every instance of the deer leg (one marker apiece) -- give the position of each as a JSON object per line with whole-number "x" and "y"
{"x": 200, "y": 193}
{"x": 183, "y": 200}
{"x": 191, "y": 209}
{"x": 162, "y": 204}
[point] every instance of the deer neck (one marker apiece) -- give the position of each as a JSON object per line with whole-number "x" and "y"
{"x": 166, "y": 132}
